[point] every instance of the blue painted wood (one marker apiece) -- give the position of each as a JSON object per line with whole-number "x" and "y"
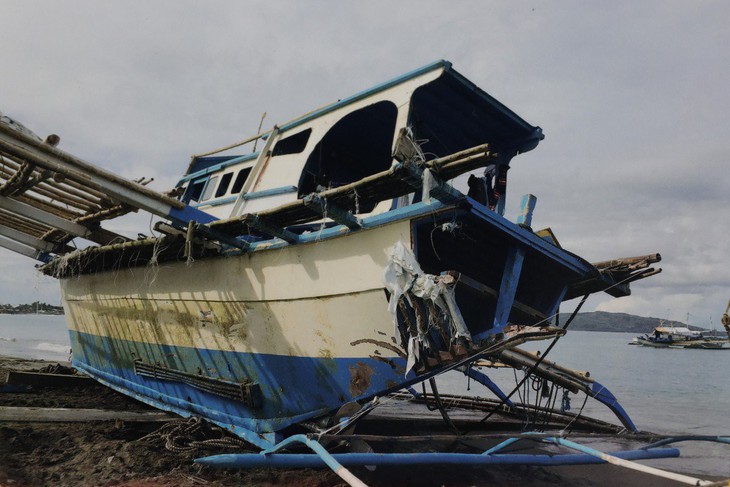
{"x": 602, "y": 394}
{"x": 312, "y": 460}
{"x": 527, "y": 206}
{"x": 185, "y": 215}
{"x": 508, "y": 287}
{"x": 525, "y": 237}
{"x": 270, "y": 192}
{"x": 484, "y": 380}
{"x": 218, "y": 167}
{"x": 248, "y": 196}
{"x": 556, "y": 306}
{"x": 441, "y": 64}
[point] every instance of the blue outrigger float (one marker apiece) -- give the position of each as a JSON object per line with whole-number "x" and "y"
{"x": 293, "y": 287}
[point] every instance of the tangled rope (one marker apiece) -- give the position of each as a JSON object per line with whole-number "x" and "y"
{"x": 187, "y": 435}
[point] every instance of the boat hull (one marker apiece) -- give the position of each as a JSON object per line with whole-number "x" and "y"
{"x": 308, "y": 324}
{"x": 693, "y": 344}
{"x": 260, "y": 341}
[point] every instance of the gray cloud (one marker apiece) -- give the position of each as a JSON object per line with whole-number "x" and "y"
{"x": 632, "y": 97}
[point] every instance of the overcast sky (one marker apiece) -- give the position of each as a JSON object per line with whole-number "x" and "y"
{"x": 632, "y": 97}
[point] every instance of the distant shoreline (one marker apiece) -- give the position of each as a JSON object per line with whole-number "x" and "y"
{"x": 60, "y": 313}
{"x": 31, "y": 309}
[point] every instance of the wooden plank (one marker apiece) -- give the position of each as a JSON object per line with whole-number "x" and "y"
{"x": 77, "y": 415}
{"x": 24, "y": 378}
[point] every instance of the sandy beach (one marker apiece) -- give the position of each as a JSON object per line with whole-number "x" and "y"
{"x": 127, "y": 453}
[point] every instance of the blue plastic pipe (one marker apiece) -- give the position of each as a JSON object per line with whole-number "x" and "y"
{"x": 295, "y": 460}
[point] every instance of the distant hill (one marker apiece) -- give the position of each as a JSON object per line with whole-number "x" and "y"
{"x": 618, "y": 322}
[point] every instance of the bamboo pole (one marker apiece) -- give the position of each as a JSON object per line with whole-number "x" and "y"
{"x": 437, "y": 163}
{"x": 21, "y": 225}
{"x": 49, "y": 207}
{"x": 54, "y": 194}
{"x": 47, "y": 189}
{"x": 49, "y": 157}
{"x": 17, "y": 179}
{"x": 10, "y": 216}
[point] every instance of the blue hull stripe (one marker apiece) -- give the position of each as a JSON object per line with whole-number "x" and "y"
{"x": 294, "y": 389}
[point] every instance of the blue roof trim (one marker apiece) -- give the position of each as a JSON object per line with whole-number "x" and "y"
{"x": 441, "y": 64}
{"x": 229, "y": 162}
{"x": 223, "y": 200}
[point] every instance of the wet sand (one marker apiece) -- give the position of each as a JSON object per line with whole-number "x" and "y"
{"x": 99, "y": 453}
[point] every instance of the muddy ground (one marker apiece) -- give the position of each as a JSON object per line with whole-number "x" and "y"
{"x": 101, "y": 453}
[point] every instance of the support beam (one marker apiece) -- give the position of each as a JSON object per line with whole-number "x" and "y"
{"x": 508, "y": 287}
{"x": 224, "y": 238}
{"x": 44, "y": 217}
{"x": 527, "y": 207}
{"x": 326, "y": 209}
{"x": 24, "y": 250}
{"x": 261, "y": 162}
{"x": 26, "y": 239}
{"x": 262, "y": 225}
{"x": 436, "y": 188}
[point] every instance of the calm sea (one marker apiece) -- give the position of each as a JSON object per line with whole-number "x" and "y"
{"x": 34, "y": 336}
{"x": 664, "y": 390}
{"x": 669, "y": 391}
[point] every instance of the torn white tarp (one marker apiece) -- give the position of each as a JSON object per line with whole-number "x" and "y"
{"x": 429, "y": 184}
{"x": 403, "y": 274}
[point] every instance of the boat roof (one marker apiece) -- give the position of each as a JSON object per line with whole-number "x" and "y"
{"x": 674, "y": 329}
{"x": 451, "y": 93}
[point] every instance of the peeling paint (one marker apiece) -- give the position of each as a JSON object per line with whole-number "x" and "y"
{"x": 360, "y": 376}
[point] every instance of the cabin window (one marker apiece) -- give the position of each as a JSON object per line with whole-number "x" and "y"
{"x": 195, "y": 189}
{"x": 209, "y": 188}
{"x": 240, "y": 180}
{"x": 223, "y": 186}
{"x": 357, "y": 146}
{"x": 294, "y": 144}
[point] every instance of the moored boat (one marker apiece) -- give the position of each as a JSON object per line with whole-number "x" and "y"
{"x": 670, "y": 336}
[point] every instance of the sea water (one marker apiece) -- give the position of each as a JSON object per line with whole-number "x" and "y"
{"x": 34, "y": 336}
{"x": 664, "y": 390}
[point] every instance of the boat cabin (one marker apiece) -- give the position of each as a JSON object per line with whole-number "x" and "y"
{"x": 433, "y": 111}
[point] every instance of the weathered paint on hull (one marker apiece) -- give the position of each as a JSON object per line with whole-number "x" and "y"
{"x": 308, "y": 323}
{"x": 294, "y": 388}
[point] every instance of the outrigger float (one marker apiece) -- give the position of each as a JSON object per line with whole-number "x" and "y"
{"x": 295, "y": 288}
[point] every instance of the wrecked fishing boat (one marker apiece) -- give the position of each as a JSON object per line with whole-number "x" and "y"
{"x": 290, "y": 286}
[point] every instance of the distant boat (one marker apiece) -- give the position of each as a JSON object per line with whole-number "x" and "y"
{"x": 671, "y": 336}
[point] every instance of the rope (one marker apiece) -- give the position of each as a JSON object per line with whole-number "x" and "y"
{"x": 538, "y": 362}
{"x": 580, "y": 413}
{"x": 191, "y": 434}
